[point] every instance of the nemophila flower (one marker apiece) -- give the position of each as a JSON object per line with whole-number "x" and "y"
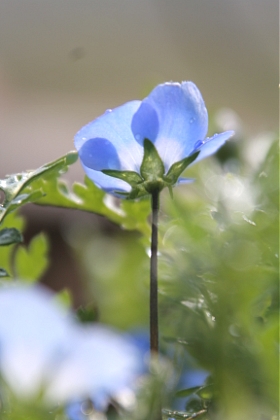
{"x": 34, "y": 333}
{"x": 100, "y": 365}
{"x": 146, "y": 145}
{"x": 45, "y": 351}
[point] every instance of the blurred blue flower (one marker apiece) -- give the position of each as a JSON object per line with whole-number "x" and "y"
{"x": 173, "y": 117}
{"x": 43, "y": 348}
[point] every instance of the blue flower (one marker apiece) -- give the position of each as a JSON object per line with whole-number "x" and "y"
{"x": 175, "y": 121}
{"x": 44, "y": 351}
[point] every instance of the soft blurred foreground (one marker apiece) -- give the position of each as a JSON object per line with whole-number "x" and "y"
{"x": 218, "y": 273}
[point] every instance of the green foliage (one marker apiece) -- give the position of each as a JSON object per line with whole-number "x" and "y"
{"x": 12, "y": 221}
{"x": 45, "y": 187}
{"x": 219, "y": 292}
{"x": 10, "y": 236}
{"x": 218, "y": 271}
{"x": 117, "y": 272}
{"x": 178, "y": 167}
{"x": 19, "y": 261}
{"x": 30, "y": 263}
{"x": 17, "y": 188}
{"x": 88, "y": 197}
{"x": 13, "y": 408}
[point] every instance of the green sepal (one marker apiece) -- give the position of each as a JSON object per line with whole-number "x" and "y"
{"x": 132, "y": 178}
{"x": 10, "y": 236}
{"x": 137, "y": 191}
{"x": 178, "y": 167}
{"x": 151, "y": 177}
{"x": 152, "y": 166}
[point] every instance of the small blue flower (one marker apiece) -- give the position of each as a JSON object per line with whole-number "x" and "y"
{"x": 44, "y": 351}
{"x": 173, "y": 118}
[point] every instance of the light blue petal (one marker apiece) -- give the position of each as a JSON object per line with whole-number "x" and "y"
{"x": 212, "y": 144}
{"x": 34, "y": 333}
{"x": 102, "y": 362}
{"x": 182, "y": 119}
{"x": 184, "y": 181}
{"x": 115, "y": 127}
{"x": 99, "y": 154}
{"x": 107, "y": 183}
{"x": 145, "y": 124}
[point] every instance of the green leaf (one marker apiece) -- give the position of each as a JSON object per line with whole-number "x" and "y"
{"x": 12, "y": 221}
{"x": 13, "y": 185}
{"x": 31, "y": 262}
{"x": 88, "y": 197}
{"x": 87, "y": 314}
{"x": 188, "y": 391}
{"x": 64, "y": 297}
{"x": 10, "y": 236}
{"x": 45, "y": 187}
{"x": 178, "y": 167}
{"x": 206, "y": 392}
{"x": 152, "y": 166}
{"x": 3, "y": 273}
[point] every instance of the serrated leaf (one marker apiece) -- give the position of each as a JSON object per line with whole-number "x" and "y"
{"x": 178, "y": 167}
{"x": 88, "y": 197}
{"x": 31, "y": 262}
{"x": 45, "y": 187}
{"x": 13, "y": 185}
{"x": 10, "y": 236}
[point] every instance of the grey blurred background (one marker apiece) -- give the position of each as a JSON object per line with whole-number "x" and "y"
{"x": 63, "y": 62}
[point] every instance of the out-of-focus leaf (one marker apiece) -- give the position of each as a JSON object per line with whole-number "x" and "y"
{"x": 186, "y": 392}
{"x": 219, "y": 289}
{"x": 12, "y": 221}
{"x": 3, "y": 273}
{"x": 87, "y": 314}
{"x": 31, "y": 262}
{"x": 205, "y": 392}
{"x": 64, "y": 297}
{"x": 10, "y": 236}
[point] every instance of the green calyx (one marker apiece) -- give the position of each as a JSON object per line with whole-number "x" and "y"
{"x": 151, "y": 178}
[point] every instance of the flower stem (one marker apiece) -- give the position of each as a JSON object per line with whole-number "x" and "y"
{"x": 154, "y": 290}
{"x": 153, "y": 277}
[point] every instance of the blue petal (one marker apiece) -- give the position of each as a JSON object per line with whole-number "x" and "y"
{"x": 210, "y": 145}
{"x": 145, "y": 124}
{"x": 115, "y": 127}
{"x": 184, "y": 181}
{"x": 183, "y": 119}
{"x": 99, "y": 154}
{"x": 107, "y": 183}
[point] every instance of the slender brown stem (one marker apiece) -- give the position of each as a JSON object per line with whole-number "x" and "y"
{"x": 153, "y": 276}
